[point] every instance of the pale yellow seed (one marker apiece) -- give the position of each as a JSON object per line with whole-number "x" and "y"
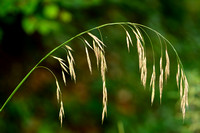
{"x": 103, "y": 70}
{"x": 128, "y": 40}
{"x": 161, "y": 79}
{"x": 145, "y": 72}
{"x": 61, "y": 113}
{"x": 183, "y": 106}
{"x": 152, "y": 84}
{"x": 88, "y": 59}
{"x": 178, "y": 75}
{"x": 96, "y": 52}
{"x": 139, "y": 34}
{"x": 63, "y": 76}
{"x": 104, "y": 101}
{"x": 140, "y": 53}
{"x": 99, "y": 42}
{"x": 63, "y": 66}
{"x": 181, "y": 83}
{"x": 58, "y": 91}
{"x": 186, "y": 86}
{"x": 71, "y": 68}
{"x": 96, "y": 38}
{"x": 68, "y": 47}
{"x": 167, "y": 67}
{"x": 87, "y": 43}
{"x": 72, "y": 58}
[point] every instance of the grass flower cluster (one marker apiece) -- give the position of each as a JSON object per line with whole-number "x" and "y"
{"x": 98, "y": 47}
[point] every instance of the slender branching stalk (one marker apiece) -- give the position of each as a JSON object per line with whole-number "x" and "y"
{"x": 98, "y": 47}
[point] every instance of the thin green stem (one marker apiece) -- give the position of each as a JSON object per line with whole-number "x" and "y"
{"x": 100, "y": 34}
{"x": 49, "y": 71}
{"x": 161, "y": 45}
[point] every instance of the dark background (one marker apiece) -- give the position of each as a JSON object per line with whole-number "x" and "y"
{"x": 29, "y": 29}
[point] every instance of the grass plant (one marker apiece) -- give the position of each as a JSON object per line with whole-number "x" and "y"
{"x": 98, "y": 47}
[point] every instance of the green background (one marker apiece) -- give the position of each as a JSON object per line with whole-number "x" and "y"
{"x": 29, "y": 29}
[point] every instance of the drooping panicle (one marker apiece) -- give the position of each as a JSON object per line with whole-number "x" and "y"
{"x": 141, "y": 56}
{"x": 98, "y": 48}
{"x": 183, "y": 88}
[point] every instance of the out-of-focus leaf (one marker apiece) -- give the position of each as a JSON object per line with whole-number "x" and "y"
{"x": 51, "y": 11}
{"x": 29, "y": 25}
{"x": 65, "y": 16}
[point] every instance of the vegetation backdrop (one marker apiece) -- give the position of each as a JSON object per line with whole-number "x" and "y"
{"x": 31, "y": 28}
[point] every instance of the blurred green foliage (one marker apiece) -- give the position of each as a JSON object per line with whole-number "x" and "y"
{"x": 30, "y": 28}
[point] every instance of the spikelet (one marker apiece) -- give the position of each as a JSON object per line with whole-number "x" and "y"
{"x": 88, "y": 59}
{"x": 104, "y": 112}
{"x": 61, "y": 113}
{"x": 140, "y": 50}
{"x": 97, "y": 53}
{"x": 178, "y": 75}
{"x": 186, "y": 86}
{"x": 68, "y": 47}
{"x": 71, "y": 57}
{"x": 103, "y": 67}
{"x": 128, "y": 40}
{"x": 144, "y": 72}
{"x": 161, "y": 79}
{"x": 184, "y": 98}
{"x": 58, "y": 92}
{"x": 183, "y": 106}
{"x": 99, "y": 42}
{"x": 142, "y": 61}
{"x": 63, "y": 67}
{"x": 87, "y": 43}
{"x": 103, "y": 71}
{"x": 181, "y": 83}
{"x": 152, "y": 84}
{"x": 63, "y": 76}
{"x": 167, "y": 67}
{"x": 71, "y": 68}
{"x": 139, "y": 34}
{"x": 136, "y": 35}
